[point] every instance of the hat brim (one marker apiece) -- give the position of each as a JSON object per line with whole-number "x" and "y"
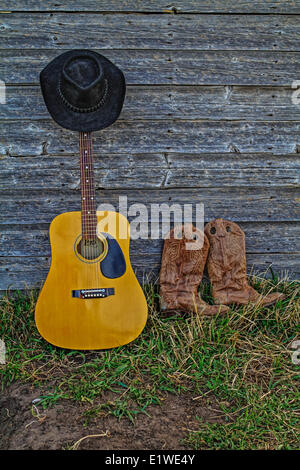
{"x": 76, "y": 121}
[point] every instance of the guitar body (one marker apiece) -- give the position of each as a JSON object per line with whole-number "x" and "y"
{"x": 90, "y": 303}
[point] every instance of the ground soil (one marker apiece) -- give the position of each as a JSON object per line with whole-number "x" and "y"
{"x": 23, "y": 426}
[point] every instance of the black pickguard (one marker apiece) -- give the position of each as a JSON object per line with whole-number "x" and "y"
{"x": 114, "y": 264}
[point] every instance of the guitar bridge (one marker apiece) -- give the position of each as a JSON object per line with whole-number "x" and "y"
{"x": 93, "y": 293}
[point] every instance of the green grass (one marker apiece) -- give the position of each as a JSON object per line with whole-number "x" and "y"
{"x": 243, "y": 359}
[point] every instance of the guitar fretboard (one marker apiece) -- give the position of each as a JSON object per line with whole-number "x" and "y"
{"x": 88, "y": 195}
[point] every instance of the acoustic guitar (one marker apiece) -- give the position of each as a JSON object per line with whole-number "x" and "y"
{"x": 91, "y": 298}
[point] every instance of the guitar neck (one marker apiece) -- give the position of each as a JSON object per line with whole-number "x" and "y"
{"x": 88, "y": 195}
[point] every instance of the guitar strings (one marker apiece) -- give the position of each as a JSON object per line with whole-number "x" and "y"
{"x": 83, "y": 206}
{"x": 92, "y": 225}
{"x": 89, "y": 214}
{"x": 91, "y": 217}
{"x": 87, "y": 242}
{"x": 94, "y": 210}
{"x": 85, "y": 230}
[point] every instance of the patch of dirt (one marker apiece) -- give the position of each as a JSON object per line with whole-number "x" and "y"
{"x": 24, "y": 426}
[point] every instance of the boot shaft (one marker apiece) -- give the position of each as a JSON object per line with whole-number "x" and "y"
{"x": 183, "y": 259}
{"x": 226, "y": 262}
{"x": 226, "y": 265}
{"x": 184, "y": 256}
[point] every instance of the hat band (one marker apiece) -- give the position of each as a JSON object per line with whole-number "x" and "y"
{"x": 84, "y": 110}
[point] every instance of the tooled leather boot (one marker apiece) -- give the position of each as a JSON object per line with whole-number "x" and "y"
{"x": 227, "y": 266}
{"x": 182, "y": 266}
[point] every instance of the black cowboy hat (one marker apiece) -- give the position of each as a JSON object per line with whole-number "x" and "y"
{"x": 83, "y": 90}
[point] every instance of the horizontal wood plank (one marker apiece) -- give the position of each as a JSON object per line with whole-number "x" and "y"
{"x": 47, "y": 138}
{"x": 153, "y": 171}
{"x": 29, "y": 272}
{"x": 118, "y": 31}
{"x": 263, "y": 237}
{"x": 158, "y": 67}
{"x": 242, "y": 205}
{"x": 179, "y": 6}
{"x": 245, "y": 103}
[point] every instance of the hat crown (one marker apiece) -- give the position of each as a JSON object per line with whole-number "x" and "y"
{"x": 82, "y": 71}
{"x": 82, "y": 83}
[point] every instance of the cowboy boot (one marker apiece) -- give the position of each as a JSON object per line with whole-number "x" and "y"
{"x": 227, "y": 266}
{"x": 183, "y": 260}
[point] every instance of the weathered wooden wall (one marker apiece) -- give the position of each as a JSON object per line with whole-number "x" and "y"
{"x": 208, "y": 117}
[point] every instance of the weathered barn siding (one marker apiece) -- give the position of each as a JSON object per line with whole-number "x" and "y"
{"x": 208, "y": 117}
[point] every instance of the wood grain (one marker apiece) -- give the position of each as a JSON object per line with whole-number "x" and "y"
{"x": 158, "y": 67}
{"x": 237, "y": 204}
{"x": 262, "y": 237}
{"x": 30, "y": 138}
{"x": 29, "y": 272}
{"x": 214, "y": 102}
{"x": 190, "y": 6}
{"x": 131, "y": 31}
{"x": 119, "y": 171}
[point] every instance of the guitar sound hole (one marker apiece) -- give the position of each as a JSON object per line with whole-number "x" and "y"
{"x": 90, "y": 249}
